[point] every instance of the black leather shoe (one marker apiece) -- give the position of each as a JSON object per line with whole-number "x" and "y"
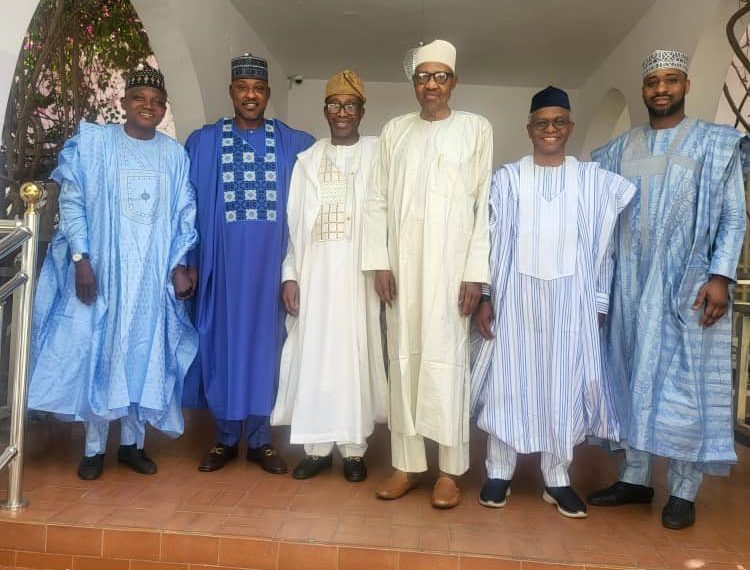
{"x": 355, "y": 469}
{"x": 268, "y": 458}
{"x": 136, "y": 459}
{"x": 568, "y": 503}
{"x": 495, "y": 493}
{"x": 217, "y": 457}
{"x": 311, "y": 465}
{"x": 91, "y": 468}
{"x": 621, "y": 493}
{"x": 678, "y": 513}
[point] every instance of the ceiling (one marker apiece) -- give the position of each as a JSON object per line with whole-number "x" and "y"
{"x": 499, "y": 42}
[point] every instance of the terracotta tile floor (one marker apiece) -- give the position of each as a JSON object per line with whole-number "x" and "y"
{"x": 242, "y": 501}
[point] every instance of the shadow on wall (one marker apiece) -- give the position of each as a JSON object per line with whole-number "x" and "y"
{"x": 610, "y": 119}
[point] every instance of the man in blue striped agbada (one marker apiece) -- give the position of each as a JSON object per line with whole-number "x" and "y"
{"x": 539, "y": 386}
{"x": 669, "y": 337}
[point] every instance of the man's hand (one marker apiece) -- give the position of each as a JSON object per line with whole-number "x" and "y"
{"x": 715, "y": 296}
{"x": 468, "y": 298}
{"x": 483, "y": 318}
{"x": 183, "y": 286}
{"x": 85, "y": 282}
{"x": 385, "y": 286}
{"x": 290, "y": 297}
{"x": 602, "y": 318}
{"x": 192, "y": 273}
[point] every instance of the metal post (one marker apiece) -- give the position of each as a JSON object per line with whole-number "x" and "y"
{"x": 18, "y": 379}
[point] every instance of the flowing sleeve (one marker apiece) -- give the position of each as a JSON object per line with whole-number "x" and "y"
{"x": 375, "y": 235}
{"x": 184, "y": 234}
{"x": 615, "y": 193}
{"x": 72, "y": 201}
{"x": 730, "y": 232}
{"x": 477, "y": 269}
{"x": 294, "y": 217}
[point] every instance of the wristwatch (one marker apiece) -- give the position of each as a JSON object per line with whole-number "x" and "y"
{"x": 76, "y": 257}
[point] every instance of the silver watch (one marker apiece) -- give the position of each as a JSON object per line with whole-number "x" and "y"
{"x": 76, "y": 257}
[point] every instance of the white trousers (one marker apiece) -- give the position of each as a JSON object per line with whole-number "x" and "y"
{"x": 345, "y": 449}
{"x": 408, "y": 454}
{"x": 501, "y": 463}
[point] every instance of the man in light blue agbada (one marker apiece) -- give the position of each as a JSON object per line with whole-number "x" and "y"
{"x": 111, "y": 338}
{"x": 669, "y": 335}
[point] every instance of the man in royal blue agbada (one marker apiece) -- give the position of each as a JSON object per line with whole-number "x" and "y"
{"x": 241, "y": 168}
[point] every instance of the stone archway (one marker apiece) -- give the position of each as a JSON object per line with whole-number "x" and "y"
{"x": 611, "y": 118}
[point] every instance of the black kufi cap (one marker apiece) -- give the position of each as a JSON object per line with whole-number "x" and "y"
{"x": 249, "y": 66}
{"x": 550, "y": 97}
{"x": 145, "y": 76}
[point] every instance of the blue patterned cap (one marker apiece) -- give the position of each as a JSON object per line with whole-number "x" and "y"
{"x": 249, "y": 66}
{"x": 145, "y": 76}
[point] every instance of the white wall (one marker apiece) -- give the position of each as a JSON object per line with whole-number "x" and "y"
{"x": 16, "y": 17}
{"x": 506, "y": 108}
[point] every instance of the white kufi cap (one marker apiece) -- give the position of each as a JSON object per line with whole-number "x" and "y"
{"x": 664, "y": 59}
{"x": 438, "y": 51}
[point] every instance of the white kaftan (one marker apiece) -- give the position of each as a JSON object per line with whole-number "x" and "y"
{"x": 332, "y": 386}
{"x": 426, "y": 221}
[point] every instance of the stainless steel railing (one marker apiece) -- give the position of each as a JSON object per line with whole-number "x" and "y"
{"x": 21, "y": 286}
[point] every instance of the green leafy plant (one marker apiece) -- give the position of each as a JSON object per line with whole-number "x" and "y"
{"x": 72, "y": 58}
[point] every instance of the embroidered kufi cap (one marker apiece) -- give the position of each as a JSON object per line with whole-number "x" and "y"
{"x": 346, "y": 82}
{"x": 665, "y": 59}
{"x": 145, "y": 76}
{"x": 438, "y": 51}
{"x": 550, "y": 97}
{"x": 249, "y": 66}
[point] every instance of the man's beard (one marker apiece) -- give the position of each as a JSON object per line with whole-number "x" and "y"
{"x": 674, "y": 109}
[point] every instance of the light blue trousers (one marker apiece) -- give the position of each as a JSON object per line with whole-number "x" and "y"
{"x": 132, "y": 430}
{"x": 684, "y": 477}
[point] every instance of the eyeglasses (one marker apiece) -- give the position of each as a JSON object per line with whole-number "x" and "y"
{"x": 440, "y": 77}
{"x": 335, "y": 108}
{"x": 543, "y": 124}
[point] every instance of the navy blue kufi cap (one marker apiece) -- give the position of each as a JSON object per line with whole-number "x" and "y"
{"x": 145, "y": 76}
{"x": 550, "y": 97}
{"x": 249, "y": 66}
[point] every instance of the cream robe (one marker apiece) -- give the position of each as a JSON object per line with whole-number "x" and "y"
{"x": 332, "y": 384}
{"x": 426, "y": 219}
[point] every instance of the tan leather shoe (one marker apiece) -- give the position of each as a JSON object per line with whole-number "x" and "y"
{"x": 397, "y": 485}
{"x": 445, "y": 494}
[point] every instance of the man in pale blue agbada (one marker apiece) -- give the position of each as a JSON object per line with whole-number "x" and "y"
{"x": 669, "y": 334}
{"x": 111, "y": 338}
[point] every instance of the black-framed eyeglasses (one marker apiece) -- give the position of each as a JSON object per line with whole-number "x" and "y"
{"x": 335, "y": 108}
{"x": 440, "y": 77}
{"x": 543, "y": 124}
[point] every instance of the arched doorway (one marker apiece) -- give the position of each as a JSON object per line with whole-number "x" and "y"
{"x": 611, "y": 118}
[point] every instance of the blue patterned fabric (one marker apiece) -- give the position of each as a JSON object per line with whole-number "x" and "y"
{"x": 675, "y": 377}
{"x": 130, "y": 205}
{"x": 248, "y": 177}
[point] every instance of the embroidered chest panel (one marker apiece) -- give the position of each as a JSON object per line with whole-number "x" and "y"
{"x": 333, "y": 221}
{"x": 248, "y": 179}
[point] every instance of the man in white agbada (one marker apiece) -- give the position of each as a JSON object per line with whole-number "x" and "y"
{"x": 332, "y": 386}
{"x": 539, "y": 386}
{"x": 427, "y": 241}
